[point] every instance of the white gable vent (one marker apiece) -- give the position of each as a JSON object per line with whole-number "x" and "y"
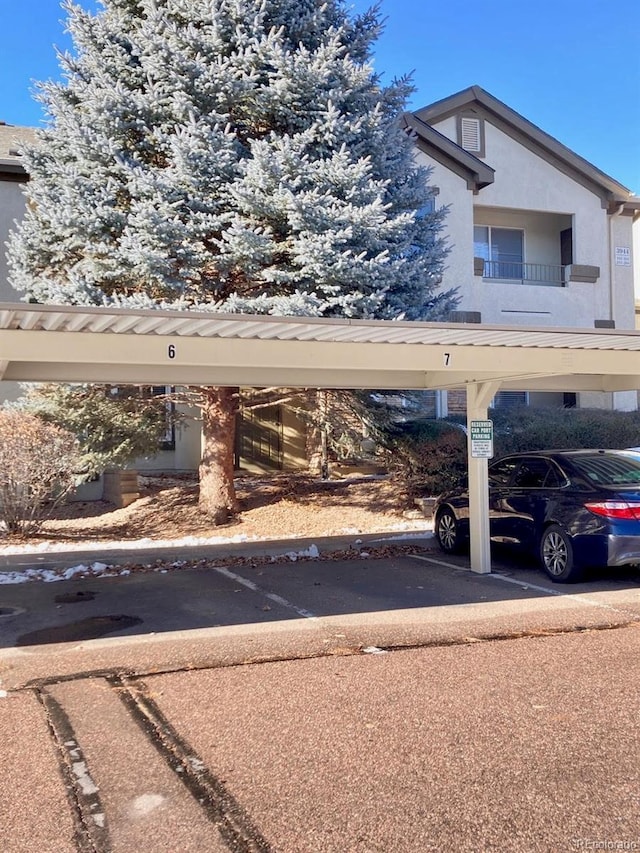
{"x": 470, "y": 138}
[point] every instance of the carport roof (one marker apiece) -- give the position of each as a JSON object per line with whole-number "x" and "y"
{"x": 54, "y": 342}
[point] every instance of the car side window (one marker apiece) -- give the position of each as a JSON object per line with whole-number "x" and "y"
{"x": 500, "y": 473}
{"x": 535, "y": 474}
{"x": 556, "y": 478}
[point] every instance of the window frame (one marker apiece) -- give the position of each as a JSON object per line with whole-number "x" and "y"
{"x": 489, "y": 259}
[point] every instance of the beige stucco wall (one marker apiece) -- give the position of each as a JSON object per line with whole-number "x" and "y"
{"x": 186, "y": 456}
{"x": 294, "y": 449}
{"x": 12, "y": 204}
{"x": 458, "y": 227}
{"x": 635, "y": 242}
{"x": 621, "y": 235}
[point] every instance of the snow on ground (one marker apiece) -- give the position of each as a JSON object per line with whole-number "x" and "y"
{"x": 406, "y": 529}
{"x": 105, "y": 570}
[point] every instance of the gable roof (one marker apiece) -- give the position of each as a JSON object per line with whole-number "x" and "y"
{"x": 11, "y": 136}
{"x": 476, "y": 173}
{"x": 532, "y": 137}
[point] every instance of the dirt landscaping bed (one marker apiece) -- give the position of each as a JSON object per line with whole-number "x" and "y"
{"x": 272, "y": 507}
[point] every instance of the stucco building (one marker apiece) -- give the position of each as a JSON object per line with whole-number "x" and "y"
{"x": 538, "y": 237}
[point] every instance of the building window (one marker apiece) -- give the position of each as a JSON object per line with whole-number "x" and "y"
{"x": 426, "y": 209}
{"x": 430, "y": 205}
{"x": 510, "y": 399}
{"x": 502, "y": 250}
{"x": 168, "y": 440}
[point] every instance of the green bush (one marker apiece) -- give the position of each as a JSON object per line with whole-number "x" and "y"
{"x": 538, "y": 428}
{"x": 428, "y": 457}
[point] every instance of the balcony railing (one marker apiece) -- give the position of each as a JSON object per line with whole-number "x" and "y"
{"x": 549, "y": 275}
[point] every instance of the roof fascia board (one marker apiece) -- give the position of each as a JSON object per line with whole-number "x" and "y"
{"x": 12, "y": 170}
{"x": 438, "y": 146}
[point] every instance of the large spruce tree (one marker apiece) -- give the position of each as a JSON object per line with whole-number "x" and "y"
{"x": 227, "y": 155}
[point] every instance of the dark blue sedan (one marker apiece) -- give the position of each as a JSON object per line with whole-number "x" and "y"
{"x": 573, "y": 508}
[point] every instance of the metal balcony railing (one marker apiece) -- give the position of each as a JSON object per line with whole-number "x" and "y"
{"x": 549, "y": 275}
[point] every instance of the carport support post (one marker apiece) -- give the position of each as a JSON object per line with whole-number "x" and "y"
{"x": 479, "y": 395}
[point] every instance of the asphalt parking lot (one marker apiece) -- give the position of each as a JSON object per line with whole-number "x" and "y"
{"x": 319, "y": 706}
{"x": 404, "y": 600}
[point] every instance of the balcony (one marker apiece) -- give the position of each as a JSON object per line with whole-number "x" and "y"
{"x": 515, "y": 272}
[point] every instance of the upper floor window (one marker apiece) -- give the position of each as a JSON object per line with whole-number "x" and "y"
{"x": 430, "y": 205}
{"x": 502, "y": 250}
{"x": 426, "y": 209}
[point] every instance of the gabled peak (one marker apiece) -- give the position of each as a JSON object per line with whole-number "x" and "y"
{"x": 474, "y": 105}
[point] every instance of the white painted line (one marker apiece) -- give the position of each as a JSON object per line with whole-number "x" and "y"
{"x": 439, "y": 562}
{"x": 581, "y": 599}
{"x": 278, "y": 599}
{"x": 578, "y": 597}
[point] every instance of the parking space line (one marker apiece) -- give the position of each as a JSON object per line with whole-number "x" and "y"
{"x": 438, "y": 562}
{"x": 278, "y": 599}
{"x": 579, "y": 597}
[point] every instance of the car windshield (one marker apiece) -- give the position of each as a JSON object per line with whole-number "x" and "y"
{"x": 608, "y": 470}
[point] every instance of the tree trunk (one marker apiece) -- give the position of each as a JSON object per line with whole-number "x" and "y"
{"x": 217, "y": 492}
{"x": 317, "y": 448}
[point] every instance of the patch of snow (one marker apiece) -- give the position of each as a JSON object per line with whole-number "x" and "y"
{"x": 85, "y": 781}
{"x": 145, "y": 803}
{"x": 127, "y": 544}
{"x": 95, "y": 570}
{"x": 312, "y": 551}
{"x": 374, "y": 650}
{"x": 424, "y": 534}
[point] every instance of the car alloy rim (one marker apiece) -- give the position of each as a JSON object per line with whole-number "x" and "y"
{"x": 447, "y": 530}
{"x": 554, "y": 553}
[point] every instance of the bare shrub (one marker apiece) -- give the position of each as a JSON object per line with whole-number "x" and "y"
{"x": 37, "y": 470}
{"x": 426, "y": 457}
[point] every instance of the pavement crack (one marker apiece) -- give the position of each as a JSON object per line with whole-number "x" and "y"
{"x": 91, "y": 831}
{"x": 220, "y": 806}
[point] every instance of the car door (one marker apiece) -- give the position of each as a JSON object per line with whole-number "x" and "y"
{"x": 500, "y": 514}
{"x": 533, "y": 488}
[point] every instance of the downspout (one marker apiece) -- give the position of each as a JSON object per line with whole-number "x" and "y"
{"x": 618, "y": 210}
{"x": 442, "y": 405}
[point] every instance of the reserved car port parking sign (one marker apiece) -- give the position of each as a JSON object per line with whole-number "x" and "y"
{"x": 481, "y": 439}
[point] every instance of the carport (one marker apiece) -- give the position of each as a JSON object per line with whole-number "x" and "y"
{"x": 45, "y": 343}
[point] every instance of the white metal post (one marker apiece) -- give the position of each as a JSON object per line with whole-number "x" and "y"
{"x": 479, "y": 395}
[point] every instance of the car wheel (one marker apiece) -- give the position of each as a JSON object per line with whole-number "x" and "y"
{"x": 556, "y": 555}
{"x": 447, "y": 532}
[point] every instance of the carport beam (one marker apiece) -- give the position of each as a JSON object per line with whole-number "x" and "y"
{"x": 479, "y": 395}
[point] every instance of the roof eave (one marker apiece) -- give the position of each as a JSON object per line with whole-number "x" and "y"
{"x": 435, "y": 144}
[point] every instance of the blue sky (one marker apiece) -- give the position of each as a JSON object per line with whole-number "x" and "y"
{"x": 570, "y": 66}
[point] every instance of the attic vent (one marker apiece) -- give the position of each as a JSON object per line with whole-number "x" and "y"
{"x": 470, "y": 137}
